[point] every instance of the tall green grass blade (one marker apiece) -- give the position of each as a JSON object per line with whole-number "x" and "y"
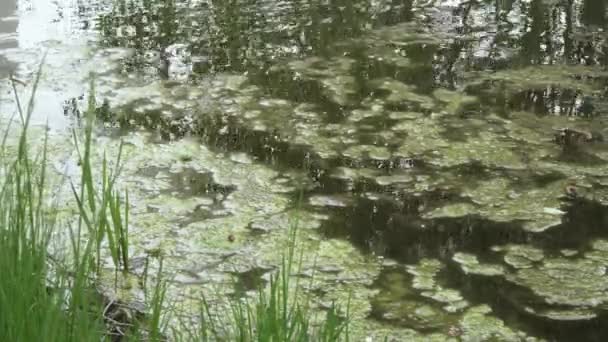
{"x": 30, "y": 310}
{"x": 158, "y": 298}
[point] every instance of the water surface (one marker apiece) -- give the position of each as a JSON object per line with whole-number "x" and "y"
{"x": 451, "y": 154}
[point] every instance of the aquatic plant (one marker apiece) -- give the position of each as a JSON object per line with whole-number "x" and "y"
{"x": 41, "y": 298}
{"x": 94, "y": 211}
{"x": 55, "y": 296}
{"x": 276, "y": 313}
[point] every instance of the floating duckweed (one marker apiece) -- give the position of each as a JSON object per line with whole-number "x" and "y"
{"x": 481, "y": 149}
{"x": 455, "y": 101}
{"x": 470, "y": 264}
{"x": 393, "y": 179}
{"x": 567, "y": 315}
{"x": 358, "y": 115}
{"x": 333, "y": 74}
{"x": 541, "y": 77}
{"x": 600, "y": 245}
{"x": 478, "y": 325}
{"x": 373, "y": 152}
{"x": 527, "y": 206}
{"x": 520, "y": 256}
{"x": 424, "y": 273}
{"x": 451, "y": 210}
{"x": 444, "y": 296}
{"x": 340, "y": 89}
{"x": 518, "y": 261}
{"x": 568, "y": 252}
{"x": 401, "y": 304}
{"x": 424, "y": 279}
{"x": 404, "y": 115}
{"x": 401, "y": 93}
{"x": 566, "y": 281}
{"x": 352, "y": 174}
{"x": 329, "y": 201}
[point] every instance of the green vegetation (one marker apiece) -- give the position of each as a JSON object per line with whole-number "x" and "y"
{"x": 44, "y": 298}
{"x": 275, "y": 315}
{"x": 103, "y": 216}
{"x": 38, "y": 301}
{"x": 451, "y": 153}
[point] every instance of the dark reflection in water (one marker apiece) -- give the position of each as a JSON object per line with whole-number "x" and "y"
{"x": 8, "y": 32}
{"x": 584, "y": 221}
{"x": 8, "y": 24}
{"x": 509, "y": 302}
{"x": 477, "y": 38}
{"x": 397, "y": 231}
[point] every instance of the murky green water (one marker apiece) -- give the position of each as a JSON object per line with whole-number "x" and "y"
{"x": 453, "y": 155}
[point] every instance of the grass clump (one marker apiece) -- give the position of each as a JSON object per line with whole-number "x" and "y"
{"x": 37, "y": 302}
{"x": 45, "y": 297}
{"x": 100, "y": 211}
{"x": 277, "y": 313}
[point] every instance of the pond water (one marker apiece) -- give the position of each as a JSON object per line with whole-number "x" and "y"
{"x": 447, "y": 159}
